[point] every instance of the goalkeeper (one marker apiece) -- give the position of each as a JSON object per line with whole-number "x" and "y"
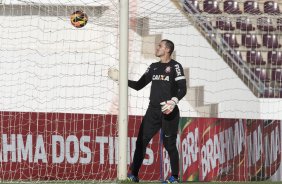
{"x": 168, "y": 87}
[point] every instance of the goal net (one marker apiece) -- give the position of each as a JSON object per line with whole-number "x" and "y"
{"x": 59, "y": 109}
{"x": 55, "y": 121}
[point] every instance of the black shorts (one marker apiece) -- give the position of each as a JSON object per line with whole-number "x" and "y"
{"x": 154, "y": 119}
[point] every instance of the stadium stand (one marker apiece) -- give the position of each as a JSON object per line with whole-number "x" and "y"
{"x": 252, "y": 30}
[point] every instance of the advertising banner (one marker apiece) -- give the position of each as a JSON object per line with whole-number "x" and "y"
{"x": 65, "y": 146}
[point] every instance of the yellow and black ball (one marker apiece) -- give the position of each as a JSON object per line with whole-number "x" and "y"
{"x": 79, "y": 19}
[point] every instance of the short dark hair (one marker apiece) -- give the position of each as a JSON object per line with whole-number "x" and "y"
{"x": 169, "y": 44}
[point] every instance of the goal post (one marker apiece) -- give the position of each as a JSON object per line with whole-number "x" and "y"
{"x": 123, "y": 91}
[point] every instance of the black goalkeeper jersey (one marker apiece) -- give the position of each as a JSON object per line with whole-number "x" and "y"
{"x": 168, "y": 81}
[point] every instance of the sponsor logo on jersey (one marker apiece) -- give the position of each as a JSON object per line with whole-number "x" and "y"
{"x": 168, "y": 69}
{"x": 160, "y": 77}
{"x": 177, "y": 69}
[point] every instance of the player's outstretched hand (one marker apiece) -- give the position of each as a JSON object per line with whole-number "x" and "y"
{"x": 168, "y": 106}
{"x": 113, "y": 73}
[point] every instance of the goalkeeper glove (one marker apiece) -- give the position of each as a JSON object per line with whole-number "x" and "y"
{"x": 113, "y": 74}
{"x": 168, "y": 106}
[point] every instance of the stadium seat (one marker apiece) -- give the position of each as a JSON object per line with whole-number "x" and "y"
{"x": 279, "y": 24}
{"x": 269, "y": 92}
{"x": 255, "y": 58}
{"x": 211, "y": 6}
{"x": 231, "y": 7}
{"x": 231, "y": 40}
{"x": 243, "y": 23}
{"x": 270, "y": 41}
{"x": 276, "y": 75}
{"x": 265, "y": 24}
{"x": 274, "y": 57}
{"x": 271, "y": 7}
{"x": 262, "y": 74}
{"x": 252, "y": 7}
{"x": 195, "y": 4}
{"x": 250, "y": 41}
{"x": 224, "y": 23}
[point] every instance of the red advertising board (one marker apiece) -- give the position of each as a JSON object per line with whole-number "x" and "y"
{"x": 65, "y": 146}
{"x": 189, "y": 149}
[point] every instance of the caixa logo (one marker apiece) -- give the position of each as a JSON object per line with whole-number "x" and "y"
{"x": 160, "y": 77}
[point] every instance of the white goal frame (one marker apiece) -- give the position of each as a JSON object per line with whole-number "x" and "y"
{"x": 123, "y": 89}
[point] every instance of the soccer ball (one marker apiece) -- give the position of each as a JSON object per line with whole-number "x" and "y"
{"x": 78, "y": 19}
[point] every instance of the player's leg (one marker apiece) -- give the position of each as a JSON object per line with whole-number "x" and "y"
{"x": 150, "y": 125}
{"x": 170, "y": 129}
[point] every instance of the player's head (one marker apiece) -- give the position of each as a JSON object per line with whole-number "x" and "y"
{"x": 170, "y": 45}
{"x": 165, "y": 47}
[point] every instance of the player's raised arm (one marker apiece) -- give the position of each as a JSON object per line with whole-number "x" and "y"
{"x": 142, "y": 82}
{"x": 137, "y": 85}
